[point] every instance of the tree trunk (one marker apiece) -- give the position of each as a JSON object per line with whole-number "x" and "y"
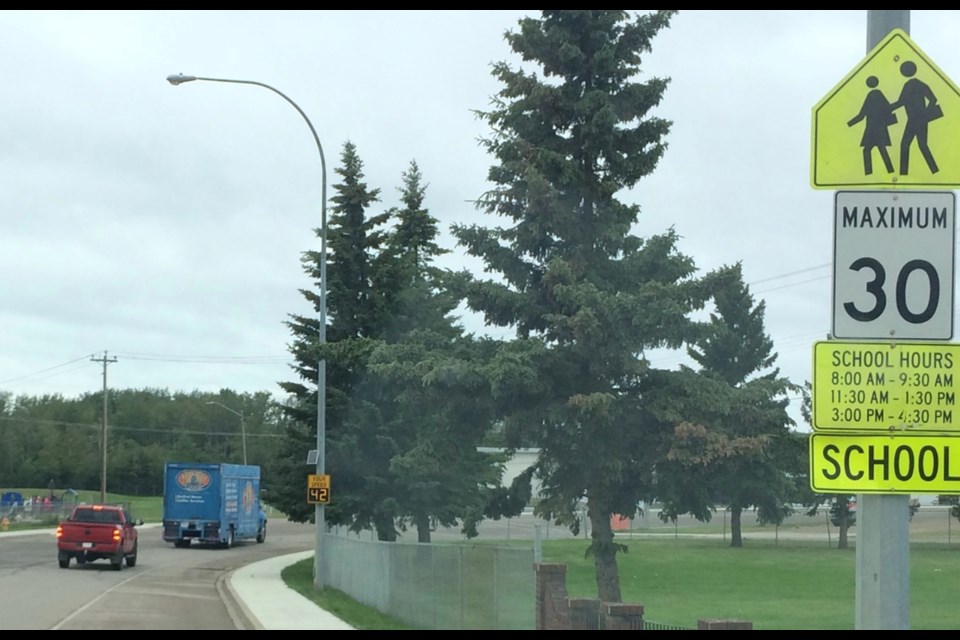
{"x": 844, "y": 527}
{"x": 736, "y": 529}
{"x": 605, "y": 555}
{"x": 386, "y": 532}
{"x": 423, "y": 527}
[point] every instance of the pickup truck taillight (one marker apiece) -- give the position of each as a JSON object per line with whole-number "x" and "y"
{"x": 117, "y": 534}
{"x": 59, "y": 530}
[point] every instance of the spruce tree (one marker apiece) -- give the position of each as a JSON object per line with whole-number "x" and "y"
{"x": 422, "y": 405}
{"x": 732, "y": 456}
{"x": 355, "y": 315}
{"x": 586, "y": 297}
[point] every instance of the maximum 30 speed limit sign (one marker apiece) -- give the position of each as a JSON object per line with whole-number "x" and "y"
{"x": 893, "y": 265}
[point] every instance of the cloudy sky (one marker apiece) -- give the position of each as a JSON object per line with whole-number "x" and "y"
{"x": 163, "y": 226}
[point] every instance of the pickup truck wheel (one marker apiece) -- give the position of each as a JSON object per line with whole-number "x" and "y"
{"x": 64, "y": 560}
{"x": 116, "y": 562}
{"x": 132, "y": 558}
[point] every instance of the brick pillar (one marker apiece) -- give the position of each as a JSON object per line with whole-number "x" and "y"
{"x": 620, "y": 616}
{"x": 584, "y": 613}
{"x": 725, "y": 625}
{"x": 552, "y": 610}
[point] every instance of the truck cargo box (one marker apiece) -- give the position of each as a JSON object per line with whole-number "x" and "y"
{"x": 212, "y": 503}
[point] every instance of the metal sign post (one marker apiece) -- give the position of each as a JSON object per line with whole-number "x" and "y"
{"x": 883, "y": 410}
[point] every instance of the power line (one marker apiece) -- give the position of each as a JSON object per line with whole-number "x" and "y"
{"x": 207, "y": 359}
{"x": 117, "y": 427}
{"x": 792, "y": 273}
{"x": 31, "y": 375}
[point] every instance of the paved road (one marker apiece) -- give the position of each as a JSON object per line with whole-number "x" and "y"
{"x": 174, "y": 589}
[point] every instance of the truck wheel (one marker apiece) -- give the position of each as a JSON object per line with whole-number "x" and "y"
{"x": 181, "y": 544}
{"x": 262, "y": 534}
{"x": 116, "y": 562}
{"x": 64, "y": 560}
{"x": 229, "y": 543}
{"x": 132, "y": 558}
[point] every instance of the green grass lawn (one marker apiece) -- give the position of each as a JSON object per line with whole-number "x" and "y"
{"x": 148, "y": 509}
{"x": 776, "y": 585}
{"x": 299, "y": 577}
{"x": 790, "y": 584}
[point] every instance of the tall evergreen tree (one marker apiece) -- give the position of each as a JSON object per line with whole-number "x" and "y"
{"x": 421, "y": 407}
{"x": 585, "y": 296}
{"x": 355, "y": 314}
{"x": 733, "y": 457}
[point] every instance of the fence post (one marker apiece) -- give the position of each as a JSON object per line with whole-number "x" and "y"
{"x": 724, "y": 625}
{"x": 620, "y": 616}
{"x": 537, "y": 544}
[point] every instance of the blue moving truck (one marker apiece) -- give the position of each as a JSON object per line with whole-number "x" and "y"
{"x": 212, "y": 503}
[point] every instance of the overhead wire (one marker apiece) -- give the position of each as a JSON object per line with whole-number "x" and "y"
{"x": 52, "y": 371}
{"x": 802, "y": 341}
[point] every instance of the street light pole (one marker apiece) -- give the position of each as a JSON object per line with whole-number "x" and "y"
{"x": 320, "y": 515}
{"x": 243, "y": 426}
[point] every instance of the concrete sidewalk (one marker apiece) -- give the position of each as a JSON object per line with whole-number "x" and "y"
{"x": 271, "y": 604}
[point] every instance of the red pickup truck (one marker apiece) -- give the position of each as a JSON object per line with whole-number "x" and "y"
{"x": 95, "y": 531}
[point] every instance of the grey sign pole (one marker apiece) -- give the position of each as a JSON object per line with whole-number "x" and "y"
{"x": 883, "y": 522}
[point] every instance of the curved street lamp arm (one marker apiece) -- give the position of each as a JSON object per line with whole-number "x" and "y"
{"x": 322, "y": 330}
{"x": 180, "y": 79}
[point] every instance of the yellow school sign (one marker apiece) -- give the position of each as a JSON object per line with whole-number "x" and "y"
{"x": 892, "y": 122}
{"x": 887, "y": 387}
{"x": 874, "y": 463}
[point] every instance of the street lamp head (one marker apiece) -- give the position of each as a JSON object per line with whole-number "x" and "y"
{"x": 180, "y": 79}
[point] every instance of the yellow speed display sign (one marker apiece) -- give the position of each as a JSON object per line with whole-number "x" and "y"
{"x": 318, "y": 488}
{"x": 874, "y": 463}
{"x": 873, "y": 386}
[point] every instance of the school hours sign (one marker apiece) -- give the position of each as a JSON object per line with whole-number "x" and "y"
{"x": 893, "y": 265}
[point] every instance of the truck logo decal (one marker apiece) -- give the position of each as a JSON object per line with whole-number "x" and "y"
{"x": 193, "y": 479}
{"x": 248, "y": 498}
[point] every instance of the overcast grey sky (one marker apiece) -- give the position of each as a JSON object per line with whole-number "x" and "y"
{"x": 163, "y": 225}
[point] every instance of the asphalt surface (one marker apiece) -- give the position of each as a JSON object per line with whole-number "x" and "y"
{"x": 264, "y": 597}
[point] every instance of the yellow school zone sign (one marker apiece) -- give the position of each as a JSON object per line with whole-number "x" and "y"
{"x": 892, "y": 122}
{"x": 871, "y": 463}
{"x": 891, "y": 387}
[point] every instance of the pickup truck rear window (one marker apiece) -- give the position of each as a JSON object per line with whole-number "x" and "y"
{"x": 91, "y": 515}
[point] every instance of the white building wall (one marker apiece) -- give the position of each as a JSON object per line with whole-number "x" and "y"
{"x": 520, "y": 461}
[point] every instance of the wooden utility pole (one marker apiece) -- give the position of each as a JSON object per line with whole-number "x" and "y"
{"x": 103, "y": 428}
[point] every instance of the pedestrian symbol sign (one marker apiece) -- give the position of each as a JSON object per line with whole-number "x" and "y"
{"x": 891, "y": 123}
